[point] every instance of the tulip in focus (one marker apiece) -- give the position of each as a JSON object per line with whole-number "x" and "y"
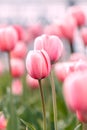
{"x": 17, "y": 67}
{"x": 38, "y": 64}
{"x": 3, "y": 122}
{"x": 17, "y": 88}
{"x": 31, "y": 82}
{"x": 75, "y": 91}
{"x": 8, "y": 38}
{"x": 51, "y": 44}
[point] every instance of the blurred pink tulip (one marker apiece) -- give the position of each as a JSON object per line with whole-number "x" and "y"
{"x": 36, "y": 30}
{"x": 17, "y": 67}
{"x": 8, "y": 38}
{"x": 17, "y": 88}
{"x": 54, "y": 29}
{"x": 20, "y": 32}
{"x": 38, "y": 64}
{"x": 75, "y": 91}
{"x": 77, "y": 56}
{"x": 82, "y": 116}
{"x": 3, "y": 122}
{"x": 51, "y": 44}
{"x": 68, "y": 27}
{"x": 19, "y": 51}
{"x": 62, "y": 70}
{"x": 31, "y": 82}
{"x": 78, "y": 14}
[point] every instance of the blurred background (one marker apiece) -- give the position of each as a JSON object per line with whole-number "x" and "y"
{"x": 28, "y": 11}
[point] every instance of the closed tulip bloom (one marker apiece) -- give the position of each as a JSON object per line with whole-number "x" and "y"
{"x": 82, "y": 116}
{"x": 8, "y": 38}
{"x": 62, "y": 70}
{"x": 31, "y": 82}
{"x": 78, "y": 14}
{"x": 17, "y": 67}
{"x": 3, "y": 122}
{"x": 75, "y": 91}
{"x": 17, "y": 88}
{"x": 38, "y": 64}
{"x": 51, "y": 44}
{"x": 83, "y": 33}
{"x": 20, "y": 50}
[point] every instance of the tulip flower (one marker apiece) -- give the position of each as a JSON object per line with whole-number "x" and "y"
{"x": 62, "y": 70}
{"x": 78, "y": 14}
{"x": 8, "y": 38}
{"x": 38, "y": 64}
{"x": 51, "y": 44}
{"x": 31, "y": 82}
{"x": 19, "y": 51}
{"x": 77, "y": 56}
{"x": 75, "y": 91}
{"x": 17, "y": 67}
{"x": 20, "y": 32}
{"x": 17, "y": 87}
{"x": 3, "y": 122}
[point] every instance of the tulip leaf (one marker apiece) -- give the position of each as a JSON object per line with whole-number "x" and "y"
{"x": 77, "y": 127}
{"x": 28, "y": 125}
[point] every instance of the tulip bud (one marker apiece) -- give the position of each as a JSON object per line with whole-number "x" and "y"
{"x": 19, "y": 51}
{"x": 75, "y": 91}
{"x": 17, "y": 87}
{"x": 3, "y": 122}
{"x": 8, "y": 38}
{"x": 31, "y": 82}
{"x": 38, "y": 64}
{"x": 17, "y": 67}
{"x": 82, "y": 116}
{"x": 51, "y": 44}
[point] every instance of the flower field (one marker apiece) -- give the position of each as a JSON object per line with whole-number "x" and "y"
{"x": 43, "y": 74}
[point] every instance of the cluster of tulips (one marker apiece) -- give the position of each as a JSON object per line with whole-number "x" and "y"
{"x": 48, "y": 59}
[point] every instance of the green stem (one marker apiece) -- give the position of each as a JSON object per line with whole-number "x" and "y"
{"x": 11, "y": 96}
{"x": 84, "y": 127}
{"x": 54, "y": 100}
{"x": 43, "y": 106}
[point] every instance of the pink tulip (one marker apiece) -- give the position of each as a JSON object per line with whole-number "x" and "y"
{"x": 19, "y": 51}
{"x": 77, "y": 56}
{"x": 51, "y": 44}
{"x": 77, "y": 14}
{"x": 68, "y": 27}
{"x": 17, "y": 67}
{"x": 17, "y": 88}
{"x": 8, "y": 38}
{"x": 38, "y": 64}
{"x": 31, "y": 82}
{"x": 75, "y": 91}
{"x": 36, "y": 30}
{"x": 20, "y": 32}
{"x": 82, "y": 116}
{"x": 83, "y": 33}
{"x": 62, "y": 70}
{"x": 54, "y": 29}
{"x": 3, "y": 122}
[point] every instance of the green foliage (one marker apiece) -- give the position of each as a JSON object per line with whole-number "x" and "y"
{"x": 28, "y": 107}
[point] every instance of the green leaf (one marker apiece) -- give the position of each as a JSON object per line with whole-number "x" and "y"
{"x": 28, "y": 124}
{"x": 77, "y": 127}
